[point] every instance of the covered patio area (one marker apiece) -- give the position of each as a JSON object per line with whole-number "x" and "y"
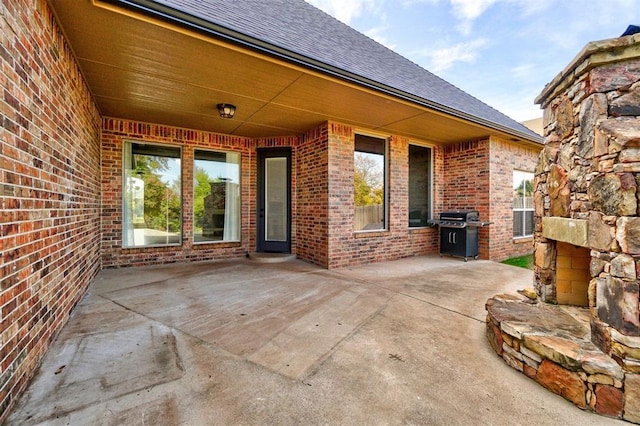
{"x": 247, "y": 342}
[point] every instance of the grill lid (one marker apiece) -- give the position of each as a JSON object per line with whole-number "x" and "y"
{"x": 460, "y": 215}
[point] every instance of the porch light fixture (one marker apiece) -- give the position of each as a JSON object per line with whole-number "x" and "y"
{"x": 226, "y": 110}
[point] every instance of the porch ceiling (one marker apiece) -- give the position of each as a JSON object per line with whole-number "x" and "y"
{"x": 144, "y": 69}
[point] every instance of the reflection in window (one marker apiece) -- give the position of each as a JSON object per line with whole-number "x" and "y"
{"x": 419, "y": 185}
{"x": 522, "y": 204}
{"x": 152, "y": 211}
{"x": 369, "y": 183}
{"x": 216, "y": 196}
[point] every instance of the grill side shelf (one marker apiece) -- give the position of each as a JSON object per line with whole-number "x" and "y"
{"x": 479, "y": 224}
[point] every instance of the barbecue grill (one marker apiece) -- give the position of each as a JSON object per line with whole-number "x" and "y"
{"x": 459, "y": 233}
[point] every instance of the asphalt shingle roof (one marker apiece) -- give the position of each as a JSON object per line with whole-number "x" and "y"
{"x": 300, "y": 28}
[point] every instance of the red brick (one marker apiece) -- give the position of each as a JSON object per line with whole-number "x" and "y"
{"x": 52, "y": 164}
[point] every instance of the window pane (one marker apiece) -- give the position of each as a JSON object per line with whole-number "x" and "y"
{"x": 369, "y": 183}
{"x": 522, "y": 204}
{"x": 419, "y": 185}
{"x": 528, "y": 222}
{"x": 517, "y": 224}
{"x": 276, "y": 201}
{"x": 216, "y": 196}
{"x": 528, "y": 192}
{"x": 152, "y": 212}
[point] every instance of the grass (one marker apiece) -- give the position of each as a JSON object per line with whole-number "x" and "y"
{"x": 522, "y": 261}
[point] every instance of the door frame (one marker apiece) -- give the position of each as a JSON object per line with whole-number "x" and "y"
{"x": 262, "y": 245}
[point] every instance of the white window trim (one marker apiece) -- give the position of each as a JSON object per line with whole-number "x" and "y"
{"x": 523, "y": 210}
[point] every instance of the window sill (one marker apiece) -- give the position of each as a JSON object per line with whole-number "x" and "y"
{"x": 369, "y": 234}
{"x": 421, "y": 229}
{"x": 217, "y": 244}
{"x": 153, "y": 247}
{"x": 521, "y": 240}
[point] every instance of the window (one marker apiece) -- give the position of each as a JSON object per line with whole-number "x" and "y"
{"x": 369, "y": 183}
{"x": 522, "y": 204}
{"x": 152, "y": 211}
{"x": 216, "y": 196}
{"x": 419, "y": 185}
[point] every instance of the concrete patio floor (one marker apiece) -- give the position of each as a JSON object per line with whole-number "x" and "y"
{"x": 242, "y": 342}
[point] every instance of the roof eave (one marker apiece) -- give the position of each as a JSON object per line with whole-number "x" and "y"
{"x": 192, "y": 22}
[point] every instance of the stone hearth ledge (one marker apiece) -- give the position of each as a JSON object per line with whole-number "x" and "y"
{"x": 551, "y": 344}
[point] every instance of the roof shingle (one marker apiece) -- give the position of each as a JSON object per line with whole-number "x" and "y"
{"x": 300, "y": 28}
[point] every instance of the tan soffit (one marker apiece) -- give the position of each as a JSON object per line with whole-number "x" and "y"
{"x": 142, "y": 69}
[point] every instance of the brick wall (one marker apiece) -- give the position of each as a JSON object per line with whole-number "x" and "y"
{"x": 467, "y": 182}
{"x": 479, "y": 175}
{"x": 50, "y": 189}
{"x": 115, "y": 132}
{"x": 505, "y": 157}
{"x": 312, "y": 193}
{"x": 347, "y": 247}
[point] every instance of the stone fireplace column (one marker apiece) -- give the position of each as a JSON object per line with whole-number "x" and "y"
{"x": 588, "y": 190}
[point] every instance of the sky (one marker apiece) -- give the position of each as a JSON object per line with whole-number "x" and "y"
{"x": 502, "y": 52}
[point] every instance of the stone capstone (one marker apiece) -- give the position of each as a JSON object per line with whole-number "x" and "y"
{"x": 563, "y": 382}
{"x": 614, "y": 194}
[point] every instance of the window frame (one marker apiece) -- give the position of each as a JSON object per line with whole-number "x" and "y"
{"x": 239, "y": 201}
{"x": 124, "y": 183}
{"x": 385, "y": 184}
{"x": 522, "y": 211}
{"x": 430, "y": 190}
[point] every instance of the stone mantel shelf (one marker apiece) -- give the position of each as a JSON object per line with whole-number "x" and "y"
{"x": 572, "y": 231}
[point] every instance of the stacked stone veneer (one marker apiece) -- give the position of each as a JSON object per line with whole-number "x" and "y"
{"x": 587, "y": 192}
{"x": 562, "y": 359}
{"x": 49, "y": 189}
